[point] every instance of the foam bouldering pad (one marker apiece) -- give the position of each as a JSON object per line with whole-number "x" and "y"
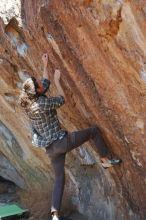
{"x": 11, "y": 210}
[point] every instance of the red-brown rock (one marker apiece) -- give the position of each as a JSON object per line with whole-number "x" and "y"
{"x": 100, "y": 48}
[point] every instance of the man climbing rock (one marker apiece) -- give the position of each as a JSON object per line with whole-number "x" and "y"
{"x": 48, "y": 134}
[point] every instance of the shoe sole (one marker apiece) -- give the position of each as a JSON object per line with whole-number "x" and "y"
{"x": 110, "y": 165}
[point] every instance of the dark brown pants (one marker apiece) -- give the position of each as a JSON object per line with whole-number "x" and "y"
{"x": 57, "y": 152}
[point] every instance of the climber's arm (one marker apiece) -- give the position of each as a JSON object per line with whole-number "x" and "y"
{"x": 45, "y": 81}
{"x": 45, "y": 64}
{"x": 57, "y": 75}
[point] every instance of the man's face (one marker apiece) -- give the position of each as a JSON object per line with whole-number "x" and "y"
{"x": 40, "y": 88}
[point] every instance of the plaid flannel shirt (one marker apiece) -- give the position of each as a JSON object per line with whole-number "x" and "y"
{"x": 43, "y": 116}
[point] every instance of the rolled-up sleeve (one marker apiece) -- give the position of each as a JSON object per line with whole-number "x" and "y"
{"x": 46, "y": 83}
{"x": 47, "y": 104}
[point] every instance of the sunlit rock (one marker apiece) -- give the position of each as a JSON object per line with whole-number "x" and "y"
{"x": 100, "y": 48}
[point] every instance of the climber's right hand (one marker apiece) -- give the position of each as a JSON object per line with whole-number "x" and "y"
{"x": 57, "y": 75}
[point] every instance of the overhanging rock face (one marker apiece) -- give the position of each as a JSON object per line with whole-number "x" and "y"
{"x": 100, "y": 48}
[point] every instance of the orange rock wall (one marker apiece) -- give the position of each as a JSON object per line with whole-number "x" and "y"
{"x": 100, "y": 48}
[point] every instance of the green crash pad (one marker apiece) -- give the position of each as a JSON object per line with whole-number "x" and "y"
{"x": 11, "y": 210}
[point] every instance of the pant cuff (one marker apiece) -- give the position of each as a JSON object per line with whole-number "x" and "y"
{"x": 54, "y": 210}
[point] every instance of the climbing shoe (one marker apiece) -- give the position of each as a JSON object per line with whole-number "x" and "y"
{"x": 109, "y": 163}
{"x": 55, "y": 217}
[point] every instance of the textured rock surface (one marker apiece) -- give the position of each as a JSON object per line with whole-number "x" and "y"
{"x": 100, "y": 47}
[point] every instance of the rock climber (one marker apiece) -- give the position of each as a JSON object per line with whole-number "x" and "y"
{"x": 48, "y": 134}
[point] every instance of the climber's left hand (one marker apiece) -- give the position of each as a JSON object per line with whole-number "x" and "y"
{"x": 45, "y": 59}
